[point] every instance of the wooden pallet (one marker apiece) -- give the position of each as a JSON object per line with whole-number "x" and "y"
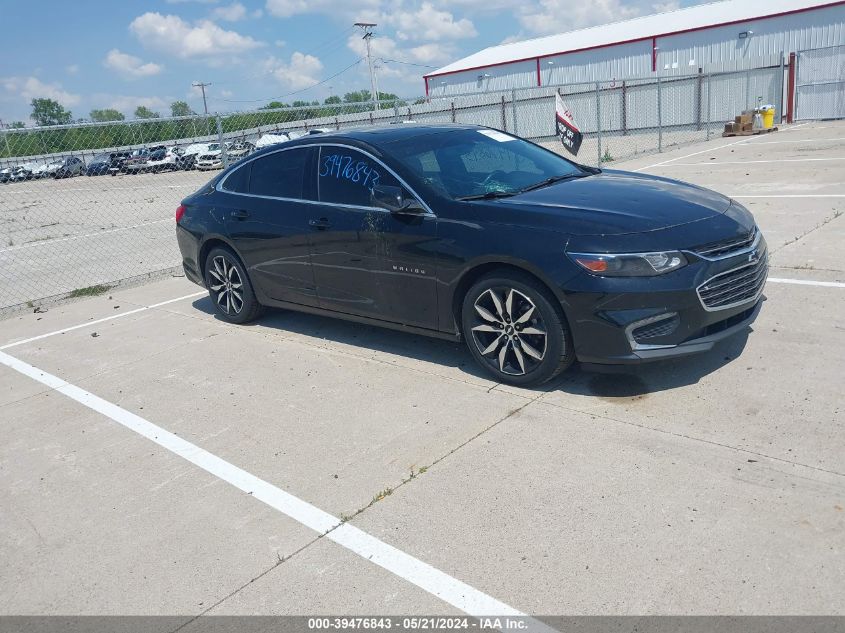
{"x": 751, "y": 132}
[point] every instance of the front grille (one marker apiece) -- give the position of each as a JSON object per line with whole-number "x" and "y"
{"x": 734, "y": 287}
{"x": 663, "y": 327}
{"x": 727, "y": 248}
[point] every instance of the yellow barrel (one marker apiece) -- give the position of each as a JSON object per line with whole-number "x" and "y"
{"x": 768, "y": 113}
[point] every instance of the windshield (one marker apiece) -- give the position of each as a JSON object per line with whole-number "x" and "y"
{"x": 475, "y": 163}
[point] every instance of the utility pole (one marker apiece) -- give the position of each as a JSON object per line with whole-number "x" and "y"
{"x": 367, "y": 27}
{"x": 199, "y": 84}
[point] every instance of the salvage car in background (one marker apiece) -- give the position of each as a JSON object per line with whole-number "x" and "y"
{"x": 210, "y": 159}
{"x": 65, "y": 168}
{"x": 465, "y": 232}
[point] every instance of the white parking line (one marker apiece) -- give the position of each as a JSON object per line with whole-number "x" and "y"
{"x": 95, "y": 322}
{"x": 804, "y": 140}
{"x": 437, "y": 583}
{"x": 746, "y": 162}
{"x": 79, "y": 237}
{"x": 786, "y": 195}
{"x": 704, "y": 151}
{"x": 804, "y": 282}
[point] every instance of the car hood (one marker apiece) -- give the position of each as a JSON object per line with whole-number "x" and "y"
{"x": 617, "y": 202}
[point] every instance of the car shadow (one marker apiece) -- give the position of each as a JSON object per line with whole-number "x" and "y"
{"x": 610, "y": 382}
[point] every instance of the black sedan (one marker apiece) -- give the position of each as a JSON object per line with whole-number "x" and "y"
{"x": 469, "y": 233}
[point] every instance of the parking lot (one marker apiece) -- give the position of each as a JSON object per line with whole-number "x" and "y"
{"x": 159, "y": 461}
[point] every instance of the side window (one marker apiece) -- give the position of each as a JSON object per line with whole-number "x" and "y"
{"x": 238, "y": 180}
{"x": 279, "y": 174}
{"x": 346, "y": 176}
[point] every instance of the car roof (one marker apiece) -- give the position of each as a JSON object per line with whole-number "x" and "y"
{"x": 370, "y": 135}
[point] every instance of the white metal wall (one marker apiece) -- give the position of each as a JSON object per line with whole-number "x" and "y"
{"x": 718, "y": 49}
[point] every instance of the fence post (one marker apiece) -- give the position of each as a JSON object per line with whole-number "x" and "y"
{"x": 598, "y": 122}
{"x": 395, "y": 112}
{"x": 504, "y": 116}
{"x": 624, "y": 109}
{"x": 747, "y": 89}
{"x": 223, "y": 153}
{"x": 513, "y": 110}
{"x": 698, "y": 88}
{"x": 453, "y": 112}
{"x": 659, "y": 117}
{"x": 790, "y": 89}
{"x": 780, "y": 91}
{"x": 709, "y": 101}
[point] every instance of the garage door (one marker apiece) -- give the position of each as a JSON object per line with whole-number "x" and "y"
{"x": 820, "y": 84}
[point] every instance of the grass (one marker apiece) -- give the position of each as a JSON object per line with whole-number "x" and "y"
{"x": 607, "y": 158}
{"x": 90, "y": 291}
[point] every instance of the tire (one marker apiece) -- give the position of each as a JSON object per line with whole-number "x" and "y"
{"x": 515, "y": 329}
{"x": 235, "y": 303}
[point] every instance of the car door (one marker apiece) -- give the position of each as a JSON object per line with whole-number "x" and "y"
{"x": 266, "y": 221}
{"x": 366, "y": 260}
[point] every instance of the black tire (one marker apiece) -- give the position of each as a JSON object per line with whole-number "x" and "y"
{"x": 506, "y": 339}
{"x": 233, "y": 303}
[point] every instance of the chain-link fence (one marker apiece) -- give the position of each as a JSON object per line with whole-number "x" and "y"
{"x": 83, "y": 207}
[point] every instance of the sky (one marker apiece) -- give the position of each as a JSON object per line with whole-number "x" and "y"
{"x": 125, "y": 53}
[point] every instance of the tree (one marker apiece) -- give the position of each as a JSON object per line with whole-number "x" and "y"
{"x": 108, "y": 114}
{"x": 332, "y": 99}
{"x": 180, "y": 108}
{"x": 143, "y": 112}
{"x": 356, "y": 97}
{"x": 16, "y": 125}
{"x": 49, "y": 112}
{"x": 274, "y": 105}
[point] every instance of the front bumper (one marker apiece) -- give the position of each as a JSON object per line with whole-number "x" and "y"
{"x": 635, "y": 320}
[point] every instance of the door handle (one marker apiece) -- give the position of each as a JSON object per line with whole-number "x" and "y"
{"x": 322, "y": 223}
{"x": 240, "y": 214}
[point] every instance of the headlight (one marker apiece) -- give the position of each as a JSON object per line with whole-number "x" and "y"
{"x": 630, "y": 264}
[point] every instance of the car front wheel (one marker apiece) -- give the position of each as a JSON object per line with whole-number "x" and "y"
{"x": 229, "y": 286}
{"x": 515, "y": 329}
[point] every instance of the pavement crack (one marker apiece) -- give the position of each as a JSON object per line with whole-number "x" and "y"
{"x": 692, "y": 438}
{"x": 798, "y": 238}
{"x": 280, "y": 560}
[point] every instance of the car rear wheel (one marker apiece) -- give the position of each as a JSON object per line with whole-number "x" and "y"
{"x": 515, "y": 330}
{"x": 229, "y": 286}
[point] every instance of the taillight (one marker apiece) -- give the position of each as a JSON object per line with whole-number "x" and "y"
{"x": 180, "y": 211}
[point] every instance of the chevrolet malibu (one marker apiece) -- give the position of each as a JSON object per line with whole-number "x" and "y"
{"x": 468, "y": 233}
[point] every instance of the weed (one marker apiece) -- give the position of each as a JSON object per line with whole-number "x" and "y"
{"x": 384, "y": 493}
{"x": 90, "y": 291}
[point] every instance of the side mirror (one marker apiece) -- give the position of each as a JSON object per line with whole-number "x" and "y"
{"x": 393, "y": 199}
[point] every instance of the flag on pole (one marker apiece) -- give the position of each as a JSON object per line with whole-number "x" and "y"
{"x": 567, "y": 131}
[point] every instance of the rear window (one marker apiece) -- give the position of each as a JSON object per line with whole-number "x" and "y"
{"x": 280, "y": 174}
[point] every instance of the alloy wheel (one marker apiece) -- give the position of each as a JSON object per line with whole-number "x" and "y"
{"x": 509, "y": 331}
{"x": 226, "y": 285}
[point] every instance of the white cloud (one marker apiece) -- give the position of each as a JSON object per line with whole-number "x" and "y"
{"x": 129, "y": 65}
{"x": 431, "y": 24}
{"x": 171, "y": 34}
{"x": 287, "y": 8}
{"x": 72, "y": 69}
{"x": 29, "y": 88}
{"x": 559, "y": 16}
{"x": 231, "y": 13}
{"x": 663, "y": 7}
{"x": 300, "y": 72}
{"x": 280, "y": 43}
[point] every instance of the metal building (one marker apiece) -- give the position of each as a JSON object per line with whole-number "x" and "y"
{"x": 708, "y": 38}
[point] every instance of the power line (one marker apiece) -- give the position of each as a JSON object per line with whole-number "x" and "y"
{"x": 399, "y": 61}
{"x": 295, "y": 92}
